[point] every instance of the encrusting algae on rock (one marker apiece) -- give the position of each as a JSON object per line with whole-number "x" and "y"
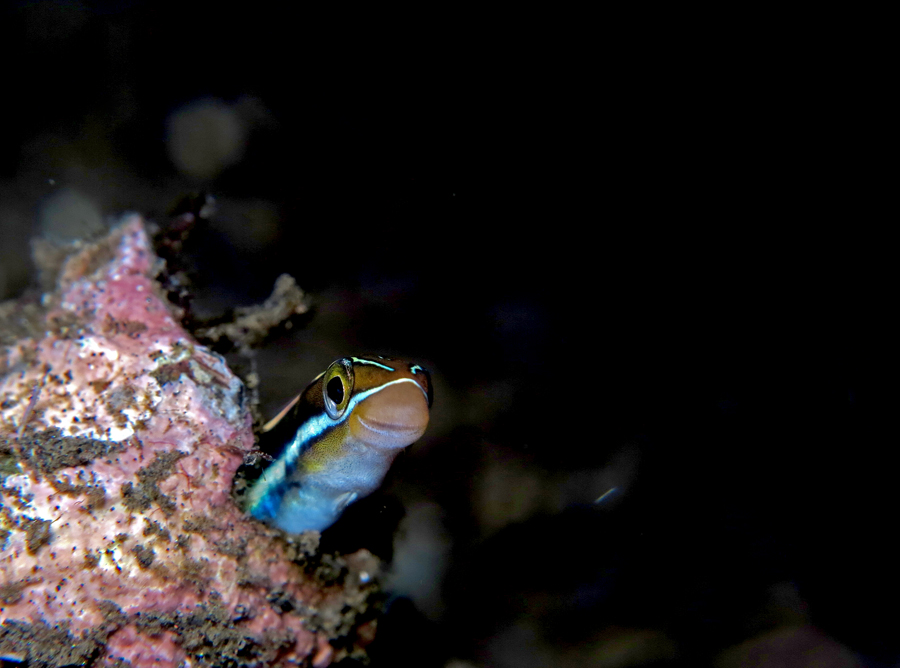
{"x": 121, "y": 543}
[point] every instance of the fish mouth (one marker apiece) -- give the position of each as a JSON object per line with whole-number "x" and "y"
{"x": 391, "y": 429}
{"x": 387, "y": 435}
{"x": 392, "y": 417}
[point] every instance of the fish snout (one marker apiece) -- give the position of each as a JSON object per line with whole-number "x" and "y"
{"x": 393, "y": 417}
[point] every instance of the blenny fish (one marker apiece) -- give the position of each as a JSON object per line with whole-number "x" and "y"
{"x": 339, "y": 437}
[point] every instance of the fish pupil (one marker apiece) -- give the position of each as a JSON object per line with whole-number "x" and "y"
{"x": 335, "y": 390}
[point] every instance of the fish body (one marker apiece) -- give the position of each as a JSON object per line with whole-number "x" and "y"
{"x": 340, "y": 436}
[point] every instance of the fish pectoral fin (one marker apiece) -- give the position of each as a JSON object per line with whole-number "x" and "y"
{"x": 344, "y": 500}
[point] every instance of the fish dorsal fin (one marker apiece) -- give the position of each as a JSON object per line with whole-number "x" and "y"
{"x": 271, "y": 424}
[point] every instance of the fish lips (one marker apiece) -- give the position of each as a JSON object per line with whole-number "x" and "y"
{"x": 392, "y": 418}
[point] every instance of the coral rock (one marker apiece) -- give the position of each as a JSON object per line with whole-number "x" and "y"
{"x": 119, "y": 440}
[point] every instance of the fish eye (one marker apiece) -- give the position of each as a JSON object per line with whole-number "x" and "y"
{"x": 416, "y": 369}
{"x": 335, "y": 390}
{"x": 337, "y": 386}
{"x": 430, "y": 387}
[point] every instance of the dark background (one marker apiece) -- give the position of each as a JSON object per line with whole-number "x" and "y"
{"x": 637, "y": 252}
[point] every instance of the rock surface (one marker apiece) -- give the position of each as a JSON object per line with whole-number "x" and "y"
{"x": 119, "y": 440}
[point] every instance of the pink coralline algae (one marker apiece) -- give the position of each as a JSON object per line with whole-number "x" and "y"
{"x": 119, "y": 440}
